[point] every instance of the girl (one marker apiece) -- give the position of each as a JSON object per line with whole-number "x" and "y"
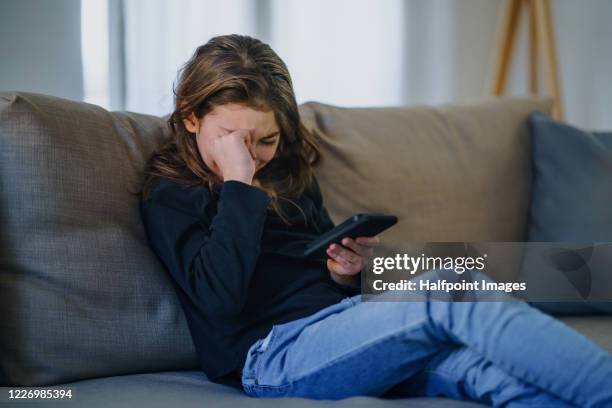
{"x": 230, "y": 202}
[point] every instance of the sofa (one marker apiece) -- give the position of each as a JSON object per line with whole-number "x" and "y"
{"x": 86, "y": 305}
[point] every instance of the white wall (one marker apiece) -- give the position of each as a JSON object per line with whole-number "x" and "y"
{"x": 40, "y": 47}
{"x": 446, "y": 49}
{"x": 584, "y": 38}
{"x": 451, "y": 45}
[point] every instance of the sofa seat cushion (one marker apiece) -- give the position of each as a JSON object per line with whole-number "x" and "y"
{"x": 188, "y": 389}
{"x": 596, "y": 328}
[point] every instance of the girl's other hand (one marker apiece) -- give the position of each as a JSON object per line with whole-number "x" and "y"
{"x": 351, "y": 257}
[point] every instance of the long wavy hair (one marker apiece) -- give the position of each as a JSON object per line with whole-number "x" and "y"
{"x": 242, "y": 70}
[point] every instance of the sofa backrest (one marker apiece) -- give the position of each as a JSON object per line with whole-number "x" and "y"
{"x": 452, "y": 173}
{"x": 81, "y": 293}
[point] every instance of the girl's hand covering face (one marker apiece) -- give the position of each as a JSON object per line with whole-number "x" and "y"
{"x": 233, "y": 155}
{"x": 351, "y": 257}
{"x": 235, "y": 141}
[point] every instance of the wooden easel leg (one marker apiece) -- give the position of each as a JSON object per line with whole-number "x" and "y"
{"x": 533, "y": 48}
{"x": 511, "y": 15}
{"x": 546, "y": 32}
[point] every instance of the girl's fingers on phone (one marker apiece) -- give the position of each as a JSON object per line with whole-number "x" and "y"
{"x": 363, "y": 250}
{"x": 347, "y": 258}
{"x": 332, "y": 252}
{"x": 342, "y": 266}
{"x": 350, "y": 243}
{"x": 343, "y": 253}
{"x": 336, "y": 267}
{"x": 369, "y": 241}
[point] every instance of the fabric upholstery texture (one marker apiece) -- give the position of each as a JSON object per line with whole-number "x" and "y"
{"x": 572, "y": 192}
{"x": 570, "y": 216}
{"x": 191, "y": 389}
{"x": 82, "y": 296}
{"x": 81, "y": 293}
{"x": 457, "y": 172}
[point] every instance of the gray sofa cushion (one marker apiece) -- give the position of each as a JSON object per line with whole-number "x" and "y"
{"x": 570, "y": 211}
{"x": 81, "y": 293}
{"x": 595, "y": 328}
{"x": 572, "y": 192}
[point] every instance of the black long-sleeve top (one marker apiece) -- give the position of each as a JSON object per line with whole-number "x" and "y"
{"x": 236, "y": 267}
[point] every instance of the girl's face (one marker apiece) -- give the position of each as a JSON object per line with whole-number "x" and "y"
{"x": 224, "y": 119}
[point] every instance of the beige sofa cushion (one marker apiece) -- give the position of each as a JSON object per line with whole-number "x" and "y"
{"x": 454, "y": 173}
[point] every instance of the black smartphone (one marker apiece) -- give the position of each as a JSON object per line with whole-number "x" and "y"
{"x": 359, "y": 225}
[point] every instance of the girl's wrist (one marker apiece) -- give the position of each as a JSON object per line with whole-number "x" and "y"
{"x": 346, "y": 280}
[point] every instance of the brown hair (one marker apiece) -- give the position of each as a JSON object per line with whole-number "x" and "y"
{"x": 236, "y": 69}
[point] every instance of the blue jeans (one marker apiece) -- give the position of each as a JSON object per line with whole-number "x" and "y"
{"x": 502, "y": 353}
